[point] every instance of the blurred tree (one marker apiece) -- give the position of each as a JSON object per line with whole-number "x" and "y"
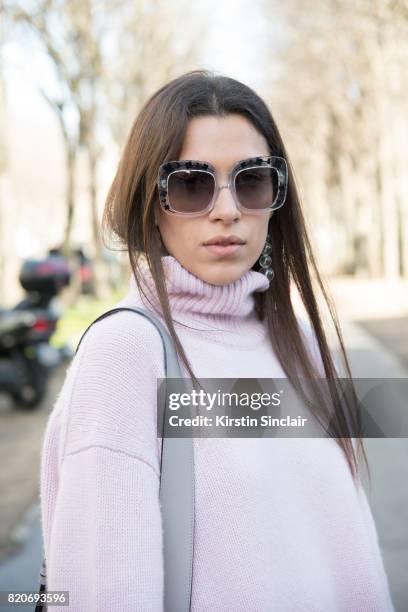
{"x": 107, "y": 57}
{"x": 340, "y": 99}
{"x": 3, "y": 168}
{"x": 71, "y": 40}
{"x": 154, "y": 41}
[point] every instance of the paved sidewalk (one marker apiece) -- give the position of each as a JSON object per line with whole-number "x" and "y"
{"x": 21, "y": 571}
{"x": 388, "y": 459}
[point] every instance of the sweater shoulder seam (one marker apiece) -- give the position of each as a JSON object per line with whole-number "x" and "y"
{"x": 113, "y": 450}
{"x": 95, "y": 333}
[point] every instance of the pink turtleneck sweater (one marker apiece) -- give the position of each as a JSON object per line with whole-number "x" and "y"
{"x": 280, "y": 526}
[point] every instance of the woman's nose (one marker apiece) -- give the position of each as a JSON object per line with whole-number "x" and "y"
{"x": 225, "y": 206}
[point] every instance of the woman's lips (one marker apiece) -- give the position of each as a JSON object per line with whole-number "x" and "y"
{"x": 223, "y": 249}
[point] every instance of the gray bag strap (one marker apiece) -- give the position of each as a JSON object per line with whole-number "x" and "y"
{"x": 176, "y": 492}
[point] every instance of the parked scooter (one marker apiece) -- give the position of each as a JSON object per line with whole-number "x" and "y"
{"x": 26, "y": 355}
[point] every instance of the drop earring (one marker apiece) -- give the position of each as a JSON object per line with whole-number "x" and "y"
{"x": 265, "y": 259}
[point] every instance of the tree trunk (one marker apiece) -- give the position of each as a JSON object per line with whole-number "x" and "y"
{"x": 101, "y": 272}
{"x": 69, "y": 196}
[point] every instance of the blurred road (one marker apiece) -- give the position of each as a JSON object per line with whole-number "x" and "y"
{"x": 388, "y": 460}
{"x": 392, "y": 332}
{"x": 21, "y": 571}
{"x": 21, "y": 434}
{"x": 388, "y": 496}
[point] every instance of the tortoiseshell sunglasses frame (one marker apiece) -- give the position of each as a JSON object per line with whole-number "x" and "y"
{"x": 168, "y": 168}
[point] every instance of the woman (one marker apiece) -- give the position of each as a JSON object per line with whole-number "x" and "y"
{"x": 280, "y": 525}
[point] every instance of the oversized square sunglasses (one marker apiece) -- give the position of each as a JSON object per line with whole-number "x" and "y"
{"x": 190, "y": 187}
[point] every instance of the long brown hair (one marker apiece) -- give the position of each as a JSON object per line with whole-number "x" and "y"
{"x": 157, "y": 135}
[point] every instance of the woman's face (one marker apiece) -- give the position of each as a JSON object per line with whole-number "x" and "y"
{"x": 222, "y": 141}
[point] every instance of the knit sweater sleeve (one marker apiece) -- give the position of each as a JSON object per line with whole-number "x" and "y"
{"x": 100, "y": 469}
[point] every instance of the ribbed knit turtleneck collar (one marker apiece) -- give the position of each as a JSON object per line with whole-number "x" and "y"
{"x": 202, "y": 305}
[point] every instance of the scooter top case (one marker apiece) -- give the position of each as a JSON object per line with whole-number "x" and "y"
{"x": 45, "y": 276}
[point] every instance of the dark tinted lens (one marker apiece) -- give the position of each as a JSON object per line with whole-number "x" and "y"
{"x": 190, "y": 191}
{"x": 257, "y": 188}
